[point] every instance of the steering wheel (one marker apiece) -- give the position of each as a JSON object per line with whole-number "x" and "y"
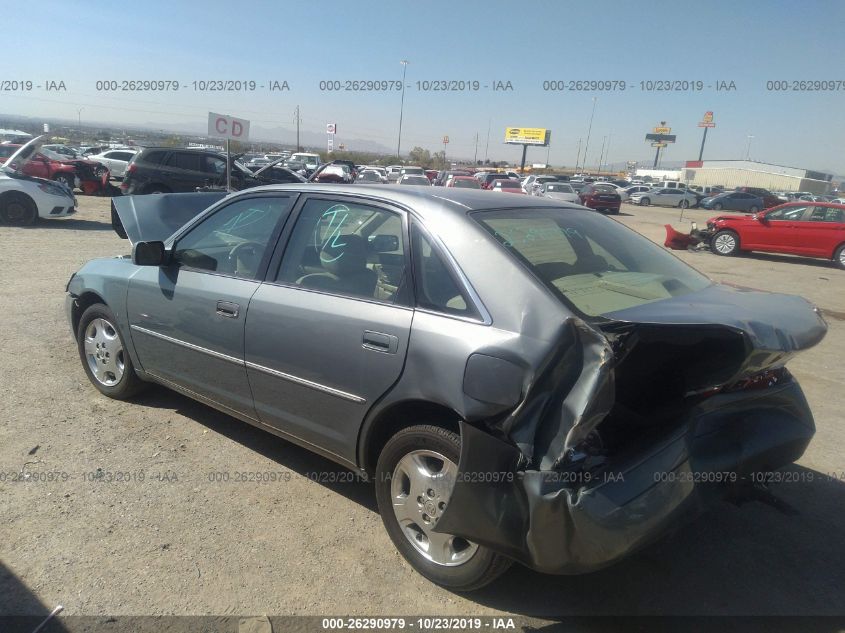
{"x": 237, "y": 249}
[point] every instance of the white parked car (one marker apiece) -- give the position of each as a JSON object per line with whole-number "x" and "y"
{"x": 665, "y": 197}
{"x": 24, "y": 199}
{"x": 116, "y": 160}
{"x": 557, "y": 190}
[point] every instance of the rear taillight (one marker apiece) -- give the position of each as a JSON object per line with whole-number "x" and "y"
{"x": 130, "y": 169}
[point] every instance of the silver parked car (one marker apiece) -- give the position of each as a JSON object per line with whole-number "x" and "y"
{"x": 665, "y": 197}
{"x": 524, "y": 380}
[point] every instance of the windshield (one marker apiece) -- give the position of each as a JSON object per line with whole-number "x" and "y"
{"x": 594, "y": 264}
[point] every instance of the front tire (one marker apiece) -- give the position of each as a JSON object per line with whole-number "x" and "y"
{"x": 414, "y": 478}
{"x": 18, "y": 209}
{"x": 684, "y": 204}
{"x": 104, "y": 356}
{"x": 644, "y": 202}
{"x": 718, "y": 206}
{"x": 725, "y": 243}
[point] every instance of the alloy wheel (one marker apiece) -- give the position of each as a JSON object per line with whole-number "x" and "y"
{"x": 104, "y": 352}
{"x": 421, "y": 486}
{"x": 725, "y": 243}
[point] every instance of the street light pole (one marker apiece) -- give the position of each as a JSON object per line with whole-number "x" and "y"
{"x": 404, "y": 63}
{"x": 748, "y": 147}
{"x": 589, "y": 129}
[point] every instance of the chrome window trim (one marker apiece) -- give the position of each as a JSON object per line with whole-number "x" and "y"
{"x": 267, "y": 370}
{"x": 462, "y": 279}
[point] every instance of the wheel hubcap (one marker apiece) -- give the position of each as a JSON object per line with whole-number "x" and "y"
{"x": 420, "y": 489}
{"x": 725, "y": 243}
{"x": 104, "y": 352}
{"x": 842, "y": 257}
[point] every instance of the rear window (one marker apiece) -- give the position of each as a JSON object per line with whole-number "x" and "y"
{"x": 592, "y": 263}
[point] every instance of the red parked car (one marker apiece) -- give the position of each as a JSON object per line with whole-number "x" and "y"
{"x": 431, "y": 174}
{"x": 466, "y": 182}
{"x": 507, "y": 185}
{"x": 769, "y": 199}
{"x": 811, "y": 229}
{"x": 88, "y": 175}
{"x": 487, "y": 180}
{"x": 600, "y": 198}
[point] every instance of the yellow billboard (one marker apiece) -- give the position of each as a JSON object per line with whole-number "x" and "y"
{"x": 527, "y": 135}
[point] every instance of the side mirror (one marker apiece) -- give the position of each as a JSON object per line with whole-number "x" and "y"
{"x": 149, "y": 254}
{"x": 384, "y": 243}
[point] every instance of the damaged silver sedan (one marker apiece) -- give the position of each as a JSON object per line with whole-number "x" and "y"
{"x": 523, "y": 379}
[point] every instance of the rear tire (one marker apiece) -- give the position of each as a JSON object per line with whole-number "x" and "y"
{"x": 644, "y": 202}
{"x": 725, "y": 243}
{"x": 684, "y": 204}
{"x": 839, "y": 257}
{"x": 104, "y": 356}
{"x": 718, "y": 206}
{"x": 18, "y": 209}
{"x": 451, "y": 562}
{"x": 753, "y": 209}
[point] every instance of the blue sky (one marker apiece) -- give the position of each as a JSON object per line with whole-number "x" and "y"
{"x": 524, "y": 43}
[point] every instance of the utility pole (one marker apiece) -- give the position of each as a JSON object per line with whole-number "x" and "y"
{"x": 589, "y": 130}
{"x": 475, "y": 160}
{"x": 748, "y": 147}
{"x": 404, "y": 63}
{"x": 607, "y": 150}
{"x": 487, "y": 146}
{"x": 296, "y": 118}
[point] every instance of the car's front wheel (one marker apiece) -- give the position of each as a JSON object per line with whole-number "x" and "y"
{"x": 18, "y": 209}
{"x": 684, "y": 204}
{"x": 725, "y": 243}
{"x": 104, "y": 356}
{"x": 718, "y": 206}
{"x": 645, "y": 202}
{"x": 753, "y": 209}
{"x": 415, "y": 475}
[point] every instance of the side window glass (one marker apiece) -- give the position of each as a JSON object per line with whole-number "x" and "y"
{"x": 789, "y": 213}
{"x": 436, "y": 286}
{"x": 214, "y": 165}
{"x": 187, "y": 161}
{"x": 234, "y": 240}
{"x": 347, "y": 249}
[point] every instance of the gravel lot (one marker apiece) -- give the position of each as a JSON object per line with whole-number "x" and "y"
{"x": 178, "y": 543}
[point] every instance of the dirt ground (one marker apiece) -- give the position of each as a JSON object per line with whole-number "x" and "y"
{"x": 180, "y": 542}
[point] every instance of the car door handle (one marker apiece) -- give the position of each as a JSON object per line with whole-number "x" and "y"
{"x": 379, "y": 342}
{"x": 228, "y": 309}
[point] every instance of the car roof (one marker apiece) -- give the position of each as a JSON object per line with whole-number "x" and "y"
{"x": 426, "y": 201}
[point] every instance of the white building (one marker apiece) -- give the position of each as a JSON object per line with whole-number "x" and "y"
{"x": 750, "y": 173}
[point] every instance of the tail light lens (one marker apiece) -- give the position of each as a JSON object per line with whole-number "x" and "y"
{"x": 763, "y": 380}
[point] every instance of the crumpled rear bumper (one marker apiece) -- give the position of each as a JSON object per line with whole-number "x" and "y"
{"x": 563, "y": 523}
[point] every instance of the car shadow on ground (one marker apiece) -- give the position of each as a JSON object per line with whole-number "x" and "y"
{"x": 734, "y": 560}
{"x": 793, "y": 259}
{"x": 20, "y": 609}
{"x": 73, "y": 224}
